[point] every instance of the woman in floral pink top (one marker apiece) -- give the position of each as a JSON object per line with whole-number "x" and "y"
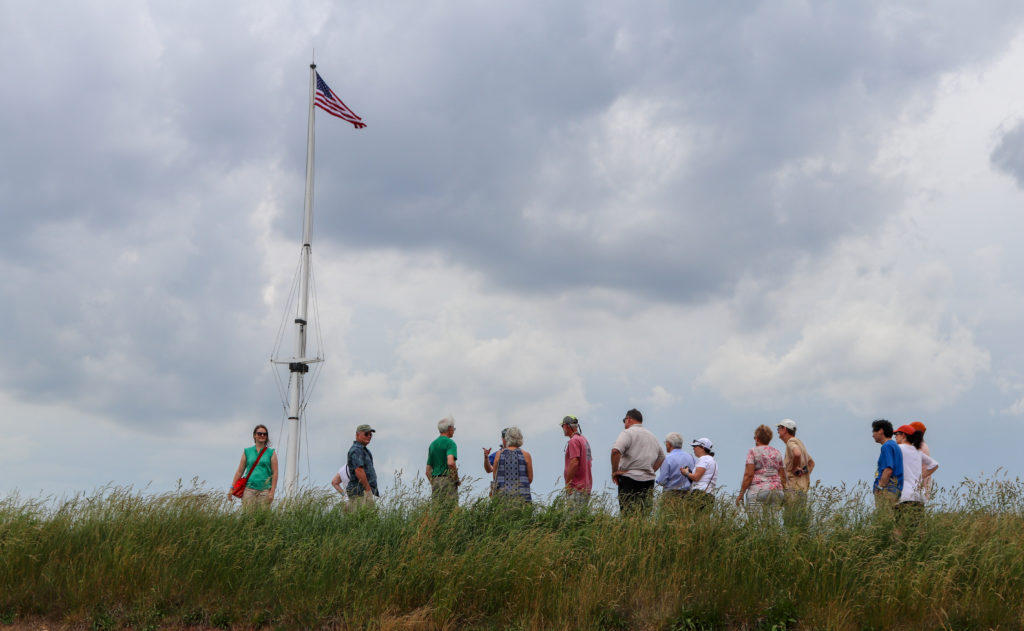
{"x": 764, "y": 476}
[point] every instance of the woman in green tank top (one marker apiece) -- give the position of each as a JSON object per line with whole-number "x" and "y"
{"x": 262, "y": 481}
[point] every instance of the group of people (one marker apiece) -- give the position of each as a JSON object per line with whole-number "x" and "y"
{"x": 638, "y": 463}
{"x": 903, "y": 478}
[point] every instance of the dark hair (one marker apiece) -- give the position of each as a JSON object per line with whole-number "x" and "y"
{"x": 915, "y": 439}
{"x": 882, "y": 424}
{"x": 264, "y": 429}
{"x": 635, "y": 415}
{"x": 763, "y": 434}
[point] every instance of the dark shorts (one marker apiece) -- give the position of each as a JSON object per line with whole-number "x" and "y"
{"x": 700, "y": 500}
{"x": 909, "y": 508}
{"x": 635, "y": 495}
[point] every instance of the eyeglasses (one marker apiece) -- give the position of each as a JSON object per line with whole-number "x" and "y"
{"x": 259, "y": 433}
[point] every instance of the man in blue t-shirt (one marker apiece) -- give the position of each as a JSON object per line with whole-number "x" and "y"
{"x": 889, "y": 474}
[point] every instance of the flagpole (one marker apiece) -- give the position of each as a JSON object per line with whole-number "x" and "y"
{"x": 299, "y": 366}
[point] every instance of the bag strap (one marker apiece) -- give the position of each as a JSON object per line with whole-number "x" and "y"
{"x": 251, "y": 469}
{"x": 711, "y": 481}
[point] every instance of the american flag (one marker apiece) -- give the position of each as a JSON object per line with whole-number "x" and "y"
{"x": 329, "y": 102}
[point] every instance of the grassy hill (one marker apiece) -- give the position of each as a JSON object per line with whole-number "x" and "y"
{"x": 123, "y": 559}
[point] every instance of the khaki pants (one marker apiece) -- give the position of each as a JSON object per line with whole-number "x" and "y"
{"x": 442, "y": 487}
{"x": 673, "y": 500}
{"x": 355, "y": 502}
{"x": 796, "y": 513}
{"x": 576, "y": 500}
{"x": 756, "y": 500}
{"x": 885, "y": 501}
{"x": 252, "y": 497}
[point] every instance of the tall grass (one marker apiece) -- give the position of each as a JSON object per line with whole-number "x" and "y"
{"x": 122, "y": 558}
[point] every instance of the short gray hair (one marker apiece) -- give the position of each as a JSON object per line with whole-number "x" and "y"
{"x": 674, "y": 439}
{"x": 446, "y": 424}
{"x": 514, "y": 437}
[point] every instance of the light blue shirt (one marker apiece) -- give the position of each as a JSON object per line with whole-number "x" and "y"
{"x": 669, "y": 476}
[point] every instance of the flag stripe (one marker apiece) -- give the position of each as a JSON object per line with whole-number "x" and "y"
{"x": 337, "y": 111}
{"x": 329, "y": 102}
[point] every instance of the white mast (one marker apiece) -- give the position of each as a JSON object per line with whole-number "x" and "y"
{"x": 299, "y": 364}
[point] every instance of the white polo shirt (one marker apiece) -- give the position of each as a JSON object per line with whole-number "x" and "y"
{"x": 640, "y": 449}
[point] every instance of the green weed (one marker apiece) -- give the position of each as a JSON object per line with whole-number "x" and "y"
{"x": 120, "y": 558}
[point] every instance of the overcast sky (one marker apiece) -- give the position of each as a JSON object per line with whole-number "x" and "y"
{"x": 723, "y": 215}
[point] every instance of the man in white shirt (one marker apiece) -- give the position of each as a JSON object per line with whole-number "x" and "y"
{"x": 636, "y": 455}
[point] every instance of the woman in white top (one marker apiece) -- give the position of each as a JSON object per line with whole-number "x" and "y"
{"x": 914, "y": 462}
{"x": 704, "y": 475}
{"x": 926, "y": 476}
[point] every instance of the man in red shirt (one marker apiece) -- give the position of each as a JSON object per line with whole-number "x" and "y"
{"x": 578, "y": 461}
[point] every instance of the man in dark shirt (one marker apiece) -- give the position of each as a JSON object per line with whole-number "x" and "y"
{"x": 363, "y": 483}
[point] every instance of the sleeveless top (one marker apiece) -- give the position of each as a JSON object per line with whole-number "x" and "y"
{"x": 260, "y": 478}
{"x": 510, "y": 475}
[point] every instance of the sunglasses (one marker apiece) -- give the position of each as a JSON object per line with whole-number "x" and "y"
{"x": 259, "y": 433}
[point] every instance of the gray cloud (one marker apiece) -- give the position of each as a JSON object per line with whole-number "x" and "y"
{"x": 660, "y": 154}
{"x": 762, "y": 93}
{"x": 139, "y": 148}
{"x": 1008, "y": 156}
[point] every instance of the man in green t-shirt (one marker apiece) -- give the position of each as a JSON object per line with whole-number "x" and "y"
{"x": 441, "y": 457}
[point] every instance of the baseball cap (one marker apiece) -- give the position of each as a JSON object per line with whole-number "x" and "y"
{"x": 906, "y": 429}
{"x": 365, "y": 428}
{"x": 788, "y": 423}
{"x": 919, "y": 426}
{"x": 702, "y": 442}
{"x": 569, "y": 420}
